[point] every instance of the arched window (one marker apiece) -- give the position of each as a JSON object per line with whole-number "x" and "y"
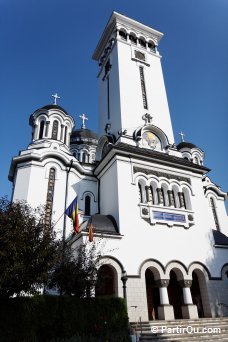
{"x": 65, "y": 135}
{"x": 142, "y": 42}
{"x": 151, "y": 46}
{"x": 133, "y": 38}
{"x": 55, "y": 130}
{"x": 50, "y": 195}
{"x": 176, "y": 196}
{"x": 212, "y": 203}
{"x": 123, "y": 34}
{"x": 164, "y": 188}
{"x": 140, "y": 193}
{"x": 87, "y": 205}
{"x": 154, "y": 192}
{"x": 41, "y": 132}
{"x": 187, "y": 201}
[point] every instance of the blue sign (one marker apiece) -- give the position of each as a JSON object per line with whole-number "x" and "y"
{"x": 158, "y": 215}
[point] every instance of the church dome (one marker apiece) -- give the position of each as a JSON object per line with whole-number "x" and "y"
{"x": 54, "y": 106}
{"x": 83, "y": 136}
{"x": 185, "y": 144}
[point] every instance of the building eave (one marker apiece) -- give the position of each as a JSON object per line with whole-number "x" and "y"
{"x": 124, "y": 20}
{"x": 126, "y": 150}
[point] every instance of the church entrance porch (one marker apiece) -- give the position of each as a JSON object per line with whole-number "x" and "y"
{"x": 196, "y": 294}
{"x": 152, "y": 291}
{"x": 175, "y": 295}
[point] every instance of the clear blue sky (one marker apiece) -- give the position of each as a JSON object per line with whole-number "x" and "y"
{"x": 46, "y": 47}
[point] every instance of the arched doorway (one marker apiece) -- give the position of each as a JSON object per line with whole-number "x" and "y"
{"x": 196, "y": 294}
{"x": 152, "y": 292}
{"x": 175, "y": 295}
{"x": 105, "y": 285}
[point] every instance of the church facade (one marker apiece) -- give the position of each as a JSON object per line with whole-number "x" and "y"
{"x": 163, "y": 220}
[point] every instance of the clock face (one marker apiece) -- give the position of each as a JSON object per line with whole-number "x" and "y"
{"x": 149, "y": 139}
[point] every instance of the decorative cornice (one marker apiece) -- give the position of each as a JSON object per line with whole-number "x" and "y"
{"x": 160, "y": 174}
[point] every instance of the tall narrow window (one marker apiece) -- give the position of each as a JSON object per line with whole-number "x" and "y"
{"x": 143, "y": 86}
{"x": 50, "y": 195}
{"x": 140, "y": 193}
{"x": 65, "y": 136}
{"x": 55, "y": 130}
{"x": 41, "y": 132}
{"x": 87, "y": 205}
{"x": 214, "y": 213}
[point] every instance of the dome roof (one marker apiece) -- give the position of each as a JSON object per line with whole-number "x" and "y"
{"x": 53, "y": 106}
{"x": 185, "y": 144}
{"x": 83, "y": 136}
{"x": 104, "y": 224}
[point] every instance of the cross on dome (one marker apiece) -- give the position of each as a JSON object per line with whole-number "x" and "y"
{"x": 182, "y": 136}
{"x": 83, "y": 117}
{"x": 55, "y": 96}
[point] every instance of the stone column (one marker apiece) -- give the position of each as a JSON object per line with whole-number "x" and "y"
{"x": 160, "y": 196}
{"x": 171, "y": 198}
{"x": 165, "y": 310}
{"x": 181, "y": 199}
{"x": 148, "y": 194}
{"x": 189, "y": 310}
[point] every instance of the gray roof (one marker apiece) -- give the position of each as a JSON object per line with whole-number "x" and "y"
{"x": 53, "y": 106}
{"x": 185, "y": 144}
{"x": 220, "y": 238}
{"x": 103, "y": 224}
{"x": 83, "y": 136}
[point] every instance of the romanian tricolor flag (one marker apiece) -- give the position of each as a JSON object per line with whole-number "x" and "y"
{"x": 72, "y": 212}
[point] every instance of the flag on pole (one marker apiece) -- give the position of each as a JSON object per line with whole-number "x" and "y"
{"x": 72, "y": 212}
{"x": 90, "y": 232}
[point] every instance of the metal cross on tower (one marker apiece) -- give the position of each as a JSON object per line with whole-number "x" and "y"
{"x": 182, "y": 136}
{"x": 55, "y": 98}
{"x": 83, "y": 117}
{"x": 147, "y": 118}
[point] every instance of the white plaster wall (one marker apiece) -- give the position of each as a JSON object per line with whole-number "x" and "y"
{"x": 142, "y": 240}
{"x": 126, "y": 103}
{"x": 109, "y": 192}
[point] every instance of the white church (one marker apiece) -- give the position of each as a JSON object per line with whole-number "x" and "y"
{"x": 163, "y": 220}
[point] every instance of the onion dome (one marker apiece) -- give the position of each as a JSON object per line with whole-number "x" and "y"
{"x": 83, "y": 136}
{"x": 54, "y": 106}
{"x": 185, "y": 144}
{"x": 191, "y": 152}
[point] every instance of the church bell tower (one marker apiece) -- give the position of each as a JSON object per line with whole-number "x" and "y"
{"x": 131, "y": 85}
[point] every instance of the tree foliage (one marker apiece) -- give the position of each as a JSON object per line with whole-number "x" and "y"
{"x": 76, "y": 274}
{"x": 27, "y": 248}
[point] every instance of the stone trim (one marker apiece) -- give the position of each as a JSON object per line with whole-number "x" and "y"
{"x": 160, "y": 174}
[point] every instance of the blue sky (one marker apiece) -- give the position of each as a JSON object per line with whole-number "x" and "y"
{"x": 46, "y": 47}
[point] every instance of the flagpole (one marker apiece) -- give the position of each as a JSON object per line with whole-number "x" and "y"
{"x": 65, "y": 205}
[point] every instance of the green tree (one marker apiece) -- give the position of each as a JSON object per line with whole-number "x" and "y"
{"x": 27, "y": 248}
{"x": 76, "y": 273}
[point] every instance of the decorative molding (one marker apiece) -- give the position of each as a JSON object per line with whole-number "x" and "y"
{"x": 160, "y": 174}
{"x": 185, "y": 283}
{"x": 162, "y": 282}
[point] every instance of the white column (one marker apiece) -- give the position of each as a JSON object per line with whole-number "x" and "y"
{"x": 164, "y": 299}
{"x": 187, "y": 295}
